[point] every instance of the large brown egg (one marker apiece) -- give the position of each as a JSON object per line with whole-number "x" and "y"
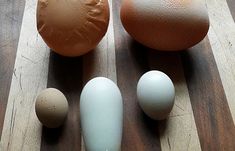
{"x": 165, "y": 24}
{"x": 72, "y": 27}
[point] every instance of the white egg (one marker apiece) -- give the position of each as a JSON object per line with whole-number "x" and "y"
{"x": 101, "y": 112}
{"x": 156, "y": 94}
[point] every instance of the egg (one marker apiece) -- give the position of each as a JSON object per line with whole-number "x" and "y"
{"x": 72, "y": 27}
{"x": 51, "y": 107}
{"x": 168, "y": 25}
{"x": 155, "y": 94}
{"x": 101, "y": 112}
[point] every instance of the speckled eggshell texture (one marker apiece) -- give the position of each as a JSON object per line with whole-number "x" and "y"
{"x": 51, "y": 107}
{"x": 165, "y": 24}
{"x": 72, "y": 27}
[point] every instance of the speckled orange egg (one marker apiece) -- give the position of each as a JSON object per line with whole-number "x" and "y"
{"x": 165, "y": 24}
{"x": 72, "y": 27}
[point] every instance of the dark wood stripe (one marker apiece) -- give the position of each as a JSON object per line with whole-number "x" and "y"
{"x": 65, "y": 74}
{"x": 11, "y": 13}
{"x": 140, "y": 133}
{"x": 212, "y": 115}
{"x": 231, "y": 5}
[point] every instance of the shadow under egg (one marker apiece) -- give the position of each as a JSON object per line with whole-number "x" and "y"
{"x": 65, "y": 74}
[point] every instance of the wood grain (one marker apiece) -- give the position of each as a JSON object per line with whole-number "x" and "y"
{"x": 179, "y": 131}
{"x": 65, "y": 74}
{"x": 101, "y": 61}
{"x": 140, "y": 133}
{"x": 205, "y": 84}
{"x": 11, "y": 13}
{"x": 21, "y": 129}
{"x": 69, "y": 75}
{"x": 211, "y": 111}
{"x": 223, "y": 46}
{"x": 231, "y": 5}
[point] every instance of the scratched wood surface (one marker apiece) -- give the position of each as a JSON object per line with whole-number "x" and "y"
{"x": 204, "y": 77}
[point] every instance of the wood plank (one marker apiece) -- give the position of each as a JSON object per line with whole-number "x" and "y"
{"x": 222, "y": 39}
{"x": 102, "y": 60}
{"x": 140, "y": 133}
{"x": 231, "y": 5}
{"x": 211, "y": 111}
{"x": 65, "y": 74}
{"x": 21, "y": 129}
{"x": 11, "y": 13}
{"x": 179, "y": 131}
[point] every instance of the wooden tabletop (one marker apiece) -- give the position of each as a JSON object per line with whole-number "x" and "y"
{"x": 204, "y": 76}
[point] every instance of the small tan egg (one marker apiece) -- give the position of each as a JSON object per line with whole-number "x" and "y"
{"x": 165, "y": 24}
{"x": 51, "y": 107}
{"x": 72, "y": 27}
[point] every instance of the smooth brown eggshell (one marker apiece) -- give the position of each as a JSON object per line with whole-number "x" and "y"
{"x": 51, "y": 107}
{"x": 72, "y": 27}
{"x": 165, "y": 24}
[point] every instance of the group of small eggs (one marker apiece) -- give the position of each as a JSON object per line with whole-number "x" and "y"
{"x": 101, "y": 107}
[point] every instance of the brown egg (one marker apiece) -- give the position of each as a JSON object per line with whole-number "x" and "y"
{"x": 72, "y": 27}
{"x": 165, "y": 24}
{"x": 51, "y": 107}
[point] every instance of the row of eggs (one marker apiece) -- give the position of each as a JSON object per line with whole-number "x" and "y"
{"x": 74, "y": 27}
{"x": 101, "y": 108}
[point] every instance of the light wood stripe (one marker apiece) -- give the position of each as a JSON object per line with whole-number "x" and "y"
{"x": 11, "y": 13}
{"x": 102, "y": 60}
{"x": 179, "y": 131}
{"x": 211, "y": 111}
{"x": 22, "y": 130}
{"x": 222, "y": 40}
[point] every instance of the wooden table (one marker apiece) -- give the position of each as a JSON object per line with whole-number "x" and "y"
{"x": 204, "y": 77}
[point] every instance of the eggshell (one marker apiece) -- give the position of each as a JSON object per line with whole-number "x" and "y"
{"x": 165, "y": 24}
{"x": 72, "y": 27}
{"x": 101, "y": 112}
{"x": 156, "y": 93}
{"x": 51, "y": 107}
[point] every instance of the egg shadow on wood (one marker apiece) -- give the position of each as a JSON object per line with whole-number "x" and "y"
{"x": 165, "y": 61}
{"x": 196, "y": 57}
{"x": 65, "y": 74}
{"x": 147, "y": 128}
{"x": 52, "y": 135}
{"x": 168, "y": 62}
{"x": 150, "y": 124}
{"x": 139, "y": 55}
{"x": 155, "y": 127}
